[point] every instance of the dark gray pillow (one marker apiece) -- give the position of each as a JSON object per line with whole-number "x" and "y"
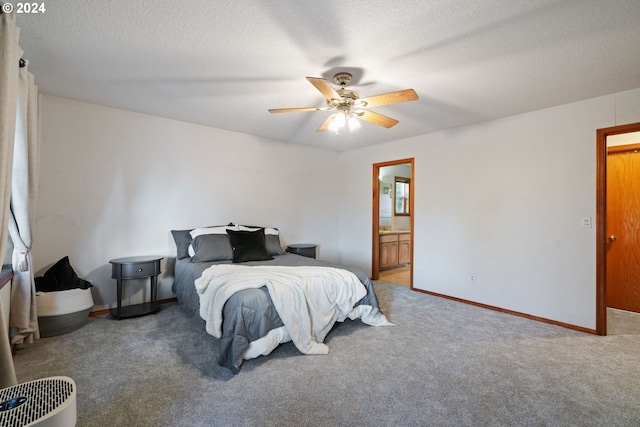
{"x": 272, "y": 242}
{"x": 211, "y": 247}
{"x": 249, "y": 245}
{"x": 183, "y": 240}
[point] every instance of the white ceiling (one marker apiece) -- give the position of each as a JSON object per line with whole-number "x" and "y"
{"x": 223, "y": 63}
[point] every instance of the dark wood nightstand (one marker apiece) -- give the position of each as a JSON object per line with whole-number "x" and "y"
{"x": 303, "y": 249}
{"x": 136, "y": 268}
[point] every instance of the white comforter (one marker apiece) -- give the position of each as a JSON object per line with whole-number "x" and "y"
{"x": 309, "y": 300}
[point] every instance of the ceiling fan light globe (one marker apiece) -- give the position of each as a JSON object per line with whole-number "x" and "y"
{"x": 340, "y": 119}
{"x": 333, "y": 127}
{"x": 353, "y": 124}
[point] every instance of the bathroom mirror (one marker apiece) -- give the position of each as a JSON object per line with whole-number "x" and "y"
{"x": 402, "y": 189}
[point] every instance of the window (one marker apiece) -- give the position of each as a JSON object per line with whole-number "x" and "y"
{"x": 401, "y": 196}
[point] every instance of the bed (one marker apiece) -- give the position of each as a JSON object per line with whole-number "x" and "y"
{"x": 250, "y": 323}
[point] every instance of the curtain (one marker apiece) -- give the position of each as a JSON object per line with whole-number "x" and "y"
{"x": 9, "y": 56}
{"x": 23, "y": 321}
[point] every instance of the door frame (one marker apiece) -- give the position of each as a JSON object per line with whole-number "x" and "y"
{"x": 375, "y": 233}
{"x": 601, "y": 220}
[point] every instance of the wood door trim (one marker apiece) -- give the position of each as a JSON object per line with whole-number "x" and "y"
{"x": 375, "y": 226}
{"x": 601, "y": 220}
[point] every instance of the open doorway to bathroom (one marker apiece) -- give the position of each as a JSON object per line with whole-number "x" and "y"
{"x": 393, "y": 213}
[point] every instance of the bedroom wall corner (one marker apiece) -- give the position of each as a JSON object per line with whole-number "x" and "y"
{"x": 627, "y": 107}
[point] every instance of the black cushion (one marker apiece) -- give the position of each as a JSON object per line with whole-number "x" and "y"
{"x": 60, "y": 277}
{"x": 249, "y": 245}
{"x": 272, "y": 241}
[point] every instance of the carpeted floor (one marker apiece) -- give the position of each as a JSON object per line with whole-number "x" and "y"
{"x": 443, "y": 364}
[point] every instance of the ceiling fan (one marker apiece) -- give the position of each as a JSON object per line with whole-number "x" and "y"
{"x": 349, "y": 106}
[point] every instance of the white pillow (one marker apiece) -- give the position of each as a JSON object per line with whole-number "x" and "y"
{"x": 267, "y": 230}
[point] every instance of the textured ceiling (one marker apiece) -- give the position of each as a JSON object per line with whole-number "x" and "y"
{"x": 223, "y": 63}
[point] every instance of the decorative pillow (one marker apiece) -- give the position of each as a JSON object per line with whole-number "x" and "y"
{"x": 217, "y": 229}
{"x": 183, "y": 240}
{"x": 249, "y": 245}
{"x": 211, "y": 247}
{"x": 272, "y": 242}
{"x": 274, "y": 247}
{"x": 60, "y": 277}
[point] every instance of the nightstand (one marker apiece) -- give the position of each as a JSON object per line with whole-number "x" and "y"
{"x": 136, "y": 268}
{"x": 303, "y": 249}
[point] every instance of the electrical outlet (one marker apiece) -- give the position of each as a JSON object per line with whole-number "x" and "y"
{"x": 586, "y": 222}
{"x": 472, "y": 277}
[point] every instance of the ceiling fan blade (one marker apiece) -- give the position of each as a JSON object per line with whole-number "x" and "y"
{"x": 390, "y": 98}
{"x": 324, "y": 127}
{"x": 377, "y": 119}
{"x": 295, "y": 110}
{"x": 324, "y": 87}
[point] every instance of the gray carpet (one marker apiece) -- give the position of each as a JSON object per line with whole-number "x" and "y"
{"x": 443, "y": 364}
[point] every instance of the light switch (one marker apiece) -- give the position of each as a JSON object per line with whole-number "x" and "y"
{"x": 586, "y": 222}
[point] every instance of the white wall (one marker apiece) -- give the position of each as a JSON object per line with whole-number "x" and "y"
{"x": 503, "y": 200}
{"x": 114, "y": 183}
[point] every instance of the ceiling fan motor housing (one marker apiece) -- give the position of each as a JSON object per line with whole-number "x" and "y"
{"x": 347, "y": 97}
{"x": 342, "y": 78}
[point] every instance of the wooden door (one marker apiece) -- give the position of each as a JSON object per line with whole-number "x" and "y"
{"x": 623, "y": 228}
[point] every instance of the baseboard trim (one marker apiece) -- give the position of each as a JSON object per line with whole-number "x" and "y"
{"x": 513, "y": 313}
{"x": 108, "y": 310}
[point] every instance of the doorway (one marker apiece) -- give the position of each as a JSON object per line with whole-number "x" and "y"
{"x": 393, "y": 213}
{"x": 604, "y": 239}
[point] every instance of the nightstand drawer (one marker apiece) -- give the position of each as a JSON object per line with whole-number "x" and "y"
{"x": 139, "y": 270}
{"x": 308, "y": 251}
{"x": 135, "y": 270}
